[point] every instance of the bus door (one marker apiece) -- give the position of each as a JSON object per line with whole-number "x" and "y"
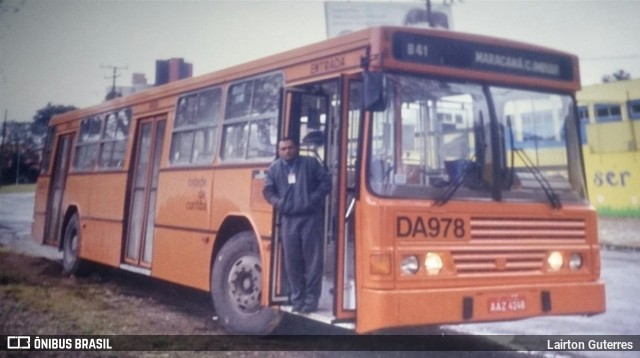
{"x": 350, "y": 154}
{"x": 58, "y": 179}
{"x": 138, "y": 245}
{"x": 313, "y": 117}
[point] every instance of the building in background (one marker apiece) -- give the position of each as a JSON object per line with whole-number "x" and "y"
{"x": 166, "y": 71}
{"x": 138, "y": 84}
{"x": 172, "y": 70}
{"x": 610, "y": 118}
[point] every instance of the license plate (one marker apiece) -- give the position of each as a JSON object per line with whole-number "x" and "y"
{"x": 511, "y": 303}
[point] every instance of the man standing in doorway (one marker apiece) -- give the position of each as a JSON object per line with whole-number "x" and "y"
{"x": 296, "y": 186}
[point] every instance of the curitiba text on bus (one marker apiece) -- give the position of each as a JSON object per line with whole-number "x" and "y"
{"x": 483, "y": 57}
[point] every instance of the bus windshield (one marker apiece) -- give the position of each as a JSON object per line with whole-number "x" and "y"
{"x": 445, "y": 140}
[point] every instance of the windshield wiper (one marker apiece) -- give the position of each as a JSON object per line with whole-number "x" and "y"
{"x": 474, "y": 165}
{"x": 452, "y": 187}
{"x": 540, "y": 178}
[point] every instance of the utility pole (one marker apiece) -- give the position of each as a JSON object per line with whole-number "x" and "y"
{"x": 429, "y": 13}
{"x": 4, "y": 126}
{"x": 4, "y": 134}
{"x": 18, "y": 164}
{"x": 437, "y": 19}
{"x": 113, "y": 94}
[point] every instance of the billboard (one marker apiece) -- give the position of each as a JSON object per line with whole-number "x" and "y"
{"x": 347, "y": 16}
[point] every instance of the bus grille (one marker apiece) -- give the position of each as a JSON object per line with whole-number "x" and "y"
{"x": 502, "y": 261}
{"x": 515, "y": 239}
{"x": 521, "y": 230}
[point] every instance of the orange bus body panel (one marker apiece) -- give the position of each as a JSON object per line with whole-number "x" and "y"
{"x": 233, "y": 194}
{"x": 100, "y": 203}
{"x": 182, "y": 256}
{"x": 101, "y": 241}
{"x": 183, "y": 199}
{"x": 106, "y": 199}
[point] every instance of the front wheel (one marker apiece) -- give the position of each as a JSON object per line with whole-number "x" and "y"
{"x": 236, "y": 288}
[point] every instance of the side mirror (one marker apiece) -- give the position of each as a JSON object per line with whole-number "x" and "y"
{"x": 374, "y": 92}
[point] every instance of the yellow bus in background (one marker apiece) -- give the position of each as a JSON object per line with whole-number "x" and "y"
{"x": 447, "y": 204}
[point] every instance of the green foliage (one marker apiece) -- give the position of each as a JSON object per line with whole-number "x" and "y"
{"x": 22, "y": 143}
{"x": 43, "y": 116}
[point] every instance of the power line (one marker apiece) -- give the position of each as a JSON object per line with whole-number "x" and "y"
{"x": 604, "y": 58}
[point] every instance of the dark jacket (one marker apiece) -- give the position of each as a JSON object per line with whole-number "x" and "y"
{"x": 304, "y": 197}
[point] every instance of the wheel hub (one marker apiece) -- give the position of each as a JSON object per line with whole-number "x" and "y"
{"x": 245, "y": 284}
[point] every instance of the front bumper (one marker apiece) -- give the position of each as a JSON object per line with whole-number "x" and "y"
{"x": 378, "y": 309}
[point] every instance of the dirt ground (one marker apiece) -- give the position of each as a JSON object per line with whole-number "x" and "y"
{"x": 36, "y": 299}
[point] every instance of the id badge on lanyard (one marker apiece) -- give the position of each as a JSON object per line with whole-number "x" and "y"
{"x": 291, "y": 178}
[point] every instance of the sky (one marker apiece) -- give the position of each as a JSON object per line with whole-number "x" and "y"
{"x": 56, "y": 51}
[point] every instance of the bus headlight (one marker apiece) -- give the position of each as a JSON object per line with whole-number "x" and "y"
{"x": 409, "y": 265}
{"x": 555, "y": 260}
{"x": 575, "y": 261}
{"x": 433, "y": 263}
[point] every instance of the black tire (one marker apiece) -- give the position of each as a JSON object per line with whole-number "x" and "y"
{"x": 71, "y": 262}
{"x": 236, "y": 288}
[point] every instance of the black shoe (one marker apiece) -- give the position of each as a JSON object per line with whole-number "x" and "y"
{"x": 309, "y": 309}
{"x": 298, "y": 309}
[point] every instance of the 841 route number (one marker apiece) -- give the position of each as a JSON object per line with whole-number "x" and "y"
{"x": 430, "y": 227}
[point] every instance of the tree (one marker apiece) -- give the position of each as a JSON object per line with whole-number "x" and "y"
{"x": 19, "y": 155}
{"x": 22, "y": 145}
{"x": 620, "y": 75}
{"x": 43, "y": 116}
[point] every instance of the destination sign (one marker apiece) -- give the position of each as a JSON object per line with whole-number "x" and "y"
{"x": 481, "y": 57}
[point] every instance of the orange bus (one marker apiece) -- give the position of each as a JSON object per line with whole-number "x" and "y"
{"x": 458, "y": 182}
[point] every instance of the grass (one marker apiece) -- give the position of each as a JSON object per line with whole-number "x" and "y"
{"x": 628, "y": 212}
{"x": 17, "y": 188}
{"x": 620, "y": 213}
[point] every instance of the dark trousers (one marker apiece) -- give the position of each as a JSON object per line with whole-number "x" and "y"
{"x": 303, "y": 243}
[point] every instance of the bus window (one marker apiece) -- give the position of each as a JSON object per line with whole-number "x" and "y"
{"x": 194, "y": 132}
{"x": 102, "y": 141}
{"x": 250, "y": 123}
{"x": 435, "y": 140}
{"x": 87, "y": 147}
{"x": 535, "y": 136}
{"x": 114, "y": 143}
{"x": 431, "y": 134}
{"x": 47, "y": 150}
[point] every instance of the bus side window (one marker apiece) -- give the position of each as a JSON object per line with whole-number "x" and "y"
{"x": 86, "y": 151}
{"x": 196, "y": 124}
{"x": 251, "y": 119}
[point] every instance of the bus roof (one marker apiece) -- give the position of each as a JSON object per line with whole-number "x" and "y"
{"x": 488, "y": 59}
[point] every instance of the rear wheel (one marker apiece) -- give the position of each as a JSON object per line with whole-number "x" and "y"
{"x": 71, "y": 262}
{"x": 236, "y": 288}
